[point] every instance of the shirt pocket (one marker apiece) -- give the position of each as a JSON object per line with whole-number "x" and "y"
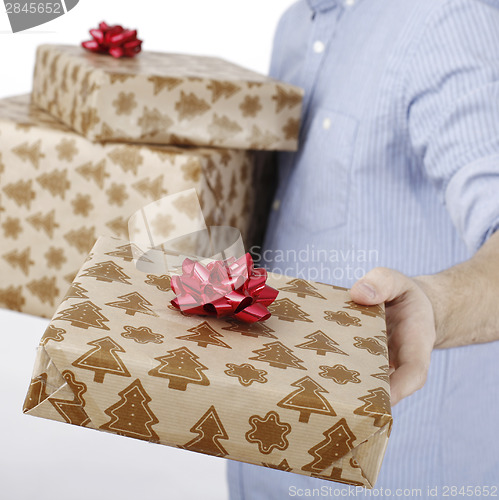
{"x": 323, "y": 171}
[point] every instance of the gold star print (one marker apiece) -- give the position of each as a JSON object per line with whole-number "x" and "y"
{"x": 340, "y": 374}
{"x": 55, "y": 257}
{"x": 246, "y": 373}
{"x": 117, "y": 194}
{"x": 66, "y": 149}
{"x": 250, "y": 106}
{"x": 268, "y": 432}
{"x": 12, "y": 228}
{"x": 82, "y": 205}
{"x": 125, "y": 103}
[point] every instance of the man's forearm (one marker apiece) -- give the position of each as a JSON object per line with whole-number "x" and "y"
{"x": 465, "y": 298}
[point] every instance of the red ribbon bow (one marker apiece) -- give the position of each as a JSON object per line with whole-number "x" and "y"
{"x": 113, "y": 40}
{"x": 224, "y": 288}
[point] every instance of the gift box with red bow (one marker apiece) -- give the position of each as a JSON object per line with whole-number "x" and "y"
{"x": 163, "y": 98}
{"x": 59, "y": 192}
{"x": 305, "y": 390}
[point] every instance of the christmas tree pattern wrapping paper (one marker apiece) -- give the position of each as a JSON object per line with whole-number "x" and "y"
{"x": 306, "y": 391}
{"x": 166, "y": 99}
{"x": 59, "y": 192}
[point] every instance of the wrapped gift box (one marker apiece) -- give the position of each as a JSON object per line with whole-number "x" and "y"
{"x": 306, "y": 391}
{"x": 58, "y": 192}
{"x": 166, "y": 99}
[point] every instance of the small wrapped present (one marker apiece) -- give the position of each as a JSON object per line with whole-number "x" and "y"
{"x": 58, "y": 192}
{"x": 166, "y": 99}
{"x": 305, "y": 391}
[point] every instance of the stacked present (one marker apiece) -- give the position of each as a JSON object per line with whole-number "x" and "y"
{"x": 276, "y": 371}
{"x": 103, "y": 136}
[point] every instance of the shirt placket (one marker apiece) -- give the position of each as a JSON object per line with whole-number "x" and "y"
{"x": 321, "y": 37}
{"x": 324, "y": 25}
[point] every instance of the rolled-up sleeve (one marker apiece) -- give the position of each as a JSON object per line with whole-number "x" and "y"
{"x": 452, "y": 92}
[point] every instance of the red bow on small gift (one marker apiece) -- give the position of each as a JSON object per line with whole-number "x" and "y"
{"x": 113, "y": 40}
{"x": 224, "y": 288}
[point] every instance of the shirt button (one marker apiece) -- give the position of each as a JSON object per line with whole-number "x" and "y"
{"x": 319, "y": 47}
{"x": 276, "y": 205}
{"x": 326, "y": 123}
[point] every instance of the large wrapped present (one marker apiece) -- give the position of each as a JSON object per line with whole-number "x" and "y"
{"x": 305, "y": 391}
{"x": 58, "y": 192}
{"x": 166, "y": 99}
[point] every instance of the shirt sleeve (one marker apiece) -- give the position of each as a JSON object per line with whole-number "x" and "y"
{"x": 452, "y": 92}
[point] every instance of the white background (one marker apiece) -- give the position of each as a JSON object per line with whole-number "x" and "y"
{"x": 41, "y": 459}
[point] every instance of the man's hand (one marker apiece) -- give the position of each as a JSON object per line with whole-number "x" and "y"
{"x": 455, "y": 307}
{"x": 410, "y": 326}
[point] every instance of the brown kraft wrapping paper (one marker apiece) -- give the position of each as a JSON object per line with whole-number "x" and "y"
{"x": 166, "y": 99}
{"x": 59, "y": 192}
{"x": 306, "y": 391}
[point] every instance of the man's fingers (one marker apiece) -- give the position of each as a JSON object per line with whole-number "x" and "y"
{"x": 410, "y": 325}
{"x": 411, "y": 361}
{"x": 406, "y": 379}
{"x": 410, "y": 346}
{"x": 380, "y": 285}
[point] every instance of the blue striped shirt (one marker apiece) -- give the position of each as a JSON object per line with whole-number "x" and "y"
{"x": 398, "y": 166}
